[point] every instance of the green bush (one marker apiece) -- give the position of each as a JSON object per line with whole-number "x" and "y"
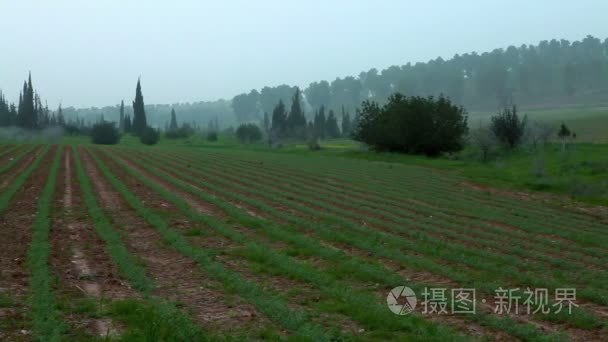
{"x": 182, "y": 132}
{"x": 149, "y": 136}
{"x": 248, "y": 133}
{"x": 416, "y": 125}
{"x": 212, "y": 136}
{"x": 105, "y": 133}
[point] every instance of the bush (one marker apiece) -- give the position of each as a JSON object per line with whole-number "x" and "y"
{"x": 212, "y": 136}
{"x": 248, "y": 133}
{"x": 508, "y": 128}
{"x": 182, "y": 132}
{"x": 149, "y": 136}
{"x": 412, "y": 125}
{"x": 105, "y": 133}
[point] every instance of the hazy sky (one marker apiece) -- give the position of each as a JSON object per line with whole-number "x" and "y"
{"x": 90, "y": 53}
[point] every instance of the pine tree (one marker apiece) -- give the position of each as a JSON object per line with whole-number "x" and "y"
{"x": 121, "y": 122}
{"x": 173, "y": 125}
{"x": 139, "y": 113}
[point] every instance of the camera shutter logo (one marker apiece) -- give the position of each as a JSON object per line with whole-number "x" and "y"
{"x": 401, "y": 300}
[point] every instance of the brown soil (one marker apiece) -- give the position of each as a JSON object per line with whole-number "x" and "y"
{"x": 229, "y": 255}
{"x": 79, "y": 256}
{"x": 176, "y": 277}
{"x": 21, "y": 165}
{"x": 15, "y": 239}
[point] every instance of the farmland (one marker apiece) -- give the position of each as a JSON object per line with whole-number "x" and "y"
{"x": 186, "y": 243}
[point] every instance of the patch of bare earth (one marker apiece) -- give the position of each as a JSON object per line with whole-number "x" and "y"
{"x": 176, "y": 277}
{"x": 79, "y": 257}
{"x": 15, "y": 240}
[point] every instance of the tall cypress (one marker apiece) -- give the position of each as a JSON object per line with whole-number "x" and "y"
{"x": 121, "y": 122}
{"x": 28, "y": 117}
{"x": 173, "y": 124}
{"x": 296, "y": 120}
{"x": 139, "y": 113}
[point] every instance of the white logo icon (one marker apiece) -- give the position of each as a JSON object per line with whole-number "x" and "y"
{"x": 401, "y": 300}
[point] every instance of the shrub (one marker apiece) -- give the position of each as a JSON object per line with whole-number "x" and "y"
{"x": 508, "y": 127}
{"x": 412, "y": 125}
{"x": 105, "y": 133}
{"x": 248, "y": 133}
{"x": 182, "y": 132}
{"x": 149, "y": 136}
{"x": 212, "y": 136}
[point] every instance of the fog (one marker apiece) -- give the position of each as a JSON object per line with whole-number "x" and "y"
{"x": 91, "y": 53}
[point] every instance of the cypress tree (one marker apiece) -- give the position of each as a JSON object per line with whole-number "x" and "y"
{"x": 173, "y": 124}
{"x": 320, "y": 122}
{"x": 279, "y": 120}
{"x": 346, "y": 123}
{"x": 296, "y": 121}
{"x": 139, "y": 113}
{"x": 60, "y": 118}
{"x": 128, "y": 125}
{"x": 121, "y": 122}
{"x": 4, "y": 112}
{"x": 28, "y": 117}
{"x": 331, "y": 126}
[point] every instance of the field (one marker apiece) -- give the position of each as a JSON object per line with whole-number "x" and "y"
{"x": 183, "y": 243}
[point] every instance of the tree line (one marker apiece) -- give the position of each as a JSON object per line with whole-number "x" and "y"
{"x": 552, "y": 72}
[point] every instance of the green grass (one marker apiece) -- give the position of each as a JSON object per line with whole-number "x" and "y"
{"x": 47, "y": 325}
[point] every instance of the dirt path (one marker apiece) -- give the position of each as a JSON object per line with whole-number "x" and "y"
{"x": 79, "y": 257}
{"x": 15, "y": 239}
{"x": 176, "y": 277}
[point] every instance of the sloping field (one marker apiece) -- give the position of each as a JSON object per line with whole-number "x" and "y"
{"x": 183, "y": 244}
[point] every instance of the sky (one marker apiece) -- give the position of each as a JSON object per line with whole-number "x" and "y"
{"x": 90, "y": 53}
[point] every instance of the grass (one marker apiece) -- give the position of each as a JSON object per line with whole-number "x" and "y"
{"x": 46, "y": 323}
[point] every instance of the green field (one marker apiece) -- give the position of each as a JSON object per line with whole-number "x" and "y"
{"x": 199, "y": 241}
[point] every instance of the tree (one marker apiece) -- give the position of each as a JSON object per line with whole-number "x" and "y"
{"x": 149, "y": 136}
{"x": 296, "y": 121}
{"x": 121, "y": 122}
{"x": 27, "y": 113}
{"x": 5, "y": 112}
{"x": 105, "y": 133}
{"x": 279, "y": 121}
{"x": 415, "y": 125}
{"x": 128, "y": 124}
{"x": 318, "y": 94}
{"x": 485, "y": 139}
{"x": 346, "y": 123}
{"x": 331, "y": 126}
{"x": 248, "y": 133}
{"x": 60, "y": 117}
{"x": 173, "y": 124}
{"x": 246, "y": 106}
{"x": 563, "y": 134}
{"x": 508, "y": 127}
{"x": 139, "y": 112}
{"x": 319, "y": 126}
